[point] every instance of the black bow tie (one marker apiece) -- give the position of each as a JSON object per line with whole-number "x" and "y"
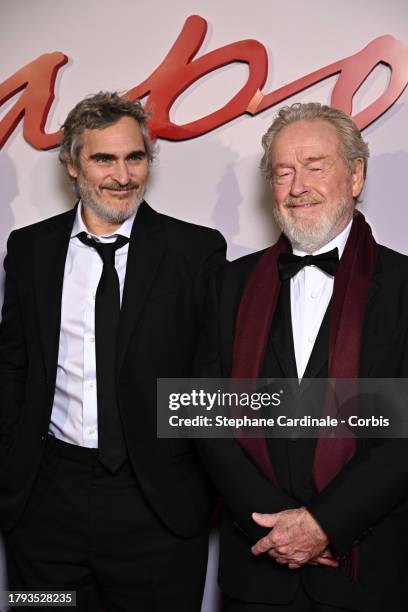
{"x": 289, "y": 264}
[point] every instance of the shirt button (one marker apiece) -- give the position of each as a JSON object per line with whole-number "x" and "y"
{"x": 92, "y": 339}
{"x": 91, "y": 385}
{"x": 92, "y": 432}
{"x": 310, "y": 339}
{"x": 313, "y": 295}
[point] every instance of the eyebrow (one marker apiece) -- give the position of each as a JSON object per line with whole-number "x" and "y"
{"x": 100, "y": 155}
{"x": 307, "y": 160}
{"x": 314, "y": 158}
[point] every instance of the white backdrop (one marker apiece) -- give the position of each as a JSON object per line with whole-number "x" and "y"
{"x": 214, "y": 179}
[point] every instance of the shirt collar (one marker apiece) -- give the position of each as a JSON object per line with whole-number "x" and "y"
{"x": 79, "y": 226}
{"x": 339, "y": 242}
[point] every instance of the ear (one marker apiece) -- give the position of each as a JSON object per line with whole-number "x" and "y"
{"x": 71, "y": 169}
{"x": 357, "y": 177}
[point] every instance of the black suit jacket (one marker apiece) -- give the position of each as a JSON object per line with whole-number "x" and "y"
{"x": 169, "y": 263}
{"x": 367, "y": 503}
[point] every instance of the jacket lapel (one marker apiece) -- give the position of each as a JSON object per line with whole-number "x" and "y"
{"x": 50, "y": 251}
{"x": 281, "y": 337}
{"x": 319, "y": 355}
{"x": 146, "y": 249}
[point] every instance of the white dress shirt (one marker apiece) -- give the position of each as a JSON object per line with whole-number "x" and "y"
{"x": 310, "y": 293}
{"x": 74, "y": 417}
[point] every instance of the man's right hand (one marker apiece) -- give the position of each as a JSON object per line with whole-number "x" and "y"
{"x": 295, "y": 539}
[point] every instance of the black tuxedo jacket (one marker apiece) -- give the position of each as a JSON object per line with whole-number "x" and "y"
{"x": 169, "y": 263}
{"x": 367, "y": 503}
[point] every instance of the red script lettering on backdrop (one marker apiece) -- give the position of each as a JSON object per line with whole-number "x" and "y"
{"x": 179, "y": 70}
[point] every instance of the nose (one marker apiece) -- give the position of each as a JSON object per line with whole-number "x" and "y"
{"x": 120, "y": 172}
{"x": 299, "y": 184}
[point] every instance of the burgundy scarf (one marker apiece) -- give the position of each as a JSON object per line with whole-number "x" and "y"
{"x": 348, "y": 307}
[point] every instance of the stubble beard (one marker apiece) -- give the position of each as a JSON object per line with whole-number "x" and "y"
{"x": 310, "y": 238}
{"x": 102, "y": 210}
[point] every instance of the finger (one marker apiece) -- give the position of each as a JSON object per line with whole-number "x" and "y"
{"x": 265, "y": 520}
{"x": 283, "y": 551}
{"x": 262, "y": 546}
{"x": 327, "y": 555}
{"x": 328, "y": 561}
{"x": 272, "y": 552}
{"x": 282, "y": 560}
{"x": 279, "y": 551}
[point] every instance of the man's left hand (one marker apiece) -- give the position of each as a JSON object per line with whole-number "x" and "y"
{"x": 295, "y": 537}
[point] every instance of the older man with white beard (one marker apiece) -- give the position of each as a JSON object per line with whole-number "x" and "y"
{"x": 312, "y": 524}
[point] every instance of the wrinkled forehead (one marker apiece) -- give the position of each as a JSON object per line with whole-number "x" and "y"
{"x": 303, "y": 140}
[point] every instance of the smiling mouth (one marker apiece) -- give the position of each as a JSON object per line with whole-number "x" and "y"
{"x": 303, "y": 205}
{"x": 119, "y": 189}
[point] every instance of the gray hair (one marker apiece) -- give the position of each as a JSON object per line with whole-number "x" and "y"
{"x": 352, "y": 146}
{"x": 96, "y": 112}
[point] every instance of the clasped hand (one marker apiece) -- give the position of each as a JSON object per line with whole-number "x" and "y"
{"x": 295, "y": 539}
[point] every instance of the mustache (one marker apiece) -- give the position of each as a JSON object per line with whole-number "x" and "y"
{"x": 292, "y": 202}
{"x": 114, "y": 186}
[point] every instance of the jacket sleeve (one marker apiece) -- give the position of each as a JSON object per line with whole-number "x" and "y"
{"x": 212, "y": 258}
{"x": 13, "y": 353}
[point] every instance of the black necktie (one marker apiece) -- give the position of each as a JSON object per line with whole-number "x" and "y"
{"x": 111, "y": 443}
{"x": 289, "y": 264}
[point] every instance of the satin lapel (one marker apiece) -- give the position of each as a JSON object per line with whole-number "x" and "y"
{"x": 146, "y": 249}
{"x": 281, "y": 338}
{"x": 50, "y": 252}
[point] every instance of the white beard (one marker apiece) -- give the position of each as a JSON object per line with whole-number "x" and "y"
{"x": 310, "y": 238}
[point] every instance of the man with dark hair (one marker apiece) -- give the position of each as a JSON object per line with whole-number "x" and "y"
{"x": 325, "y": 519}
{"x": 99, "y": 302}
